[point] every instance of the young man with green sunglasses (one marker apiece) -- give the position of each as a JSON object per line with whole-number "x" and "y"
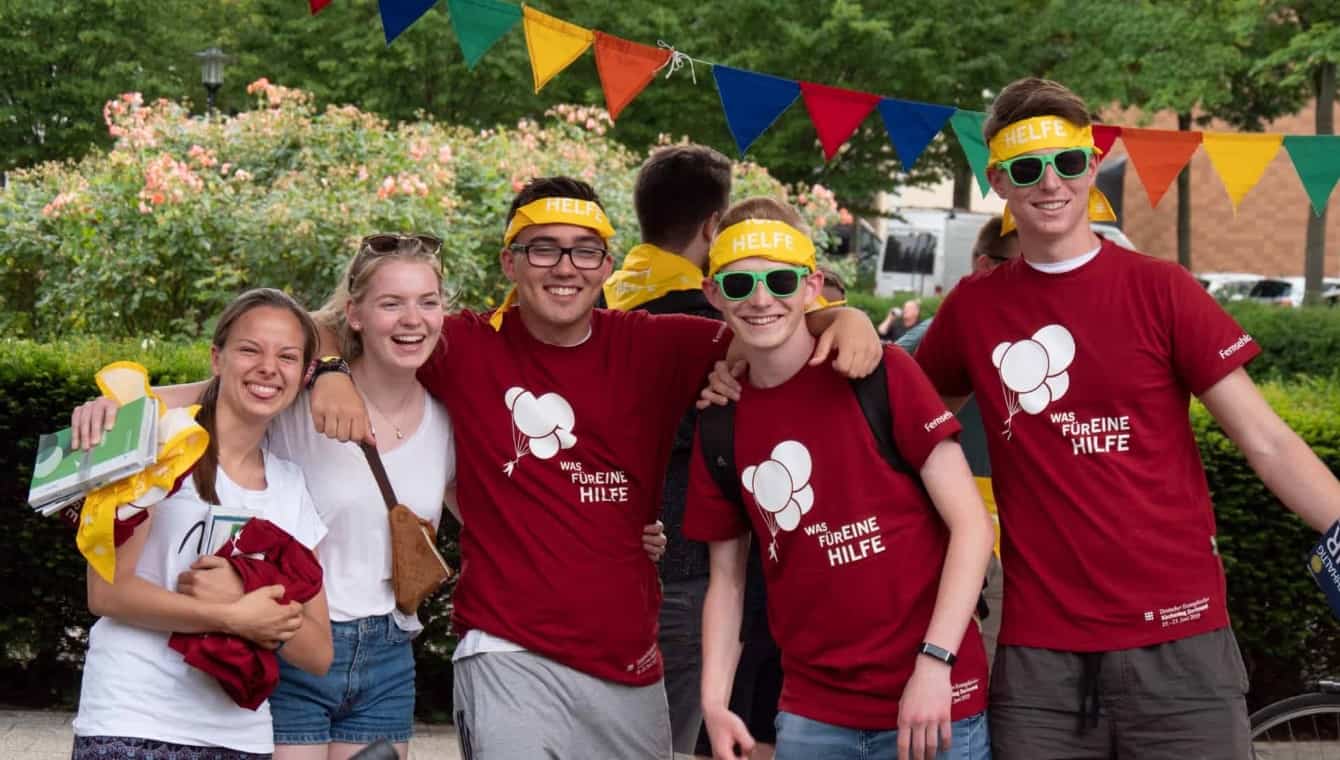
{"x": 872, "y": 572}
{"x": 1083, "y": 357}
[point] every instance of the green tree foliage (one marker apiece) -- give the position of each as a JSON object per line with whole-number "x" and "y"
{"x": 63, "y": 60}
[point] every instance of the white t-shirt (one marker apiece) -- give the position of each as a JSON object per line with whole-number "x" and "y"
{"x": 356, "y": 555}
{"x": 134, "y": 684}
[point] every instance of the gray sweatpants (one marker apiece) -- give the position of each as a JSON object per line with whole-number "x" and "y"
{"x": 521, "y": 705}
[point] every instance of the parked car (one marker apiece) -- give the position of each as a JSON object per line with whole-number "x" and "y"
{"x": 1288, "y": 291}
{"x": 1228, "y": 286}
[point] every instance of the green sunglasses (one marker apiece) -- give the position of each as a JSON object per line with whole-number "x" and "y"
{"x": 1024, "y": 171}
{"x": 782, "y": 282}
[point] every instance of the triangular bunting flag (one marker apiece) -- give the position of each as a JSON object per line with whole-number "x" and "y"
{"x": 317, "y": 5}
{"x": 397, "y": 15}
{"x": 553, "y": 44}
{"x": 752, "y": 102}
{"x": 1104, "y": 135}
{"x": 912, "y": 126}
{"x": 479, "y": 24}
{"x": 1240, "y": 159}
{"x": 968, "y": 128}
{"x": 626, "y": 68}
{"x": 836, "y": 113}
{"x": 1158, "y": 155}
{"x": 1317, "y": 160}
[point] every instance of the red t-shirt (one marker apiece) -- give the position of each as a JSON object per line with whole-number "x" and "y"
{"x": 852, "y": 549}
{"x": 561, "y": 456}
{"x": 1084, "y": 380}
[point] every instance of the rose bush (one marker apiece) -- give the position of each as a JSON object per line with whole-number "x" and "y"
{"x": 154, "y": 236}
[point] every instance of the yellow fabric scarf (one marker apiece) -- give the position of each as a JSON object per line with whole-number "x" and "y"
{"x": 649, "y": 272}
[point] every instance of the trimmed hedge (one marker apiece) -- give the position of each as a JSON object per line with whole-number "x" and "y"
{"x": 1286, "y": 631}
{"x": 45, "y": 625}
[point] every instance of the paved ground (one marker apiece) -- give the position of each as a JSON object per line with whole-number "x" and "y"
{"x": 35, "y": 735}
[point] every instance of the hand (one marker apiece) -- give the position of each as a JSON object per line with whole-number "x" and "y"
{"x": 211, "y": 579}
{"x": 338, "y": 410}
{"x": 923, "y": 712}
{"x": 857, "y": 344}
{"x": 260, "y": 618}
{"x": 90, "y": 420}
{"x": 728, "y": 732}
{"x": 722, "y": 385}
{"x": 654, "y": 540}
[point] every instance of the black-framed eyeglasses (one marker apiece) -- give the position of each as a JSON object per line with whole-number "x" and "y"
{"x": 547, "y": 255}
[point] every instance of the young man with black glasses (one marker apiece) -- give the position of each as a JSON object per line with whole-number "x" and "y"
{"x": 1083, "y": 357}
{"x": 564, "y": 417}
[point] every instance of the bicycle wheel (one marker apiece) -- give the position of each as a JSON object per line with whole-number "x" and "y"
{"x": 1305, "y": 726}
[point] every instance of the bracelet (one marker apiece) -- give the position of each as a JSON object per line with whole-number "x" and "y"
{"x": 326, "y": 364}
{"x": 937, "y": 653}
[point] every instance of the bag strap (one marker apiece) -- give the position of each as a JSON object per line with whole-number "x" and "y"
{"x": 379, "y": 472}
{"x": 716, "y": 436}
{"x": 872, "y": 393}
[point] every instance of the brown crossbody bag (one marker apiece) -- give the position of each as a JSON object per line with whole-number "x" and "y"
{"x": 417, "y": 569}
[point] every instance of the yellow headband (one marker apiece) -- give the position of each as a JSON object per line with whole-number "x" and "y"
{"x": 574, "y": 211}
{"x": 559, "y": 211}
{"x": 762, "y": 238}
{"x": 1046, "y": 133}
{"x": 1039, "y": 133}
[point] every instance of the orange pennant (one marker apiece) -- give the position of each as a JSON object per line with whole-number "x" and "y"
{"x": 1158, "y": 155}
{"x": 626, "y": 68}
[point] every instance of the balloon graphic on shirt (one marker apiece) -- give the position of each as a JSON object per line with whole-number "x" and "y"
{"x": 781, "y": 488}
{"x": 541, "y": 425}
{"x": 1033, "y": 371}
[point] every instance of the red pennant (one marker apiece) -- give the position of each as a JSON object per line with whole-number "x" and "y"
{"x": 1158, "y": 155}
{"x": 836, "y": 113}
{"x": 626, "y": 68}
{"x": 318, "y": 5}
{"x": 1104, "y": 135}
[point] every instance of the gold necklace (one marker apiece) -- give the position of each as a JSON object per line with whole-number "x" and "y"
{"x": 398, "y": 434}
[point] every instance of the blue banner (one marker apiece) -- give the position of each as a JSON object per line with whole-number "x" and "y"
{"x": 912, "y": 126}
{"x": 397, "y": 15}
{"x": 752, "y": 101}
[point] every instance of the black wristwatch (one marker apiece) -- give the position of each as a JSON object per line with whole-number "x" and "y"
{"x": 937, "y": 653}
{"x": 327, "y": 364}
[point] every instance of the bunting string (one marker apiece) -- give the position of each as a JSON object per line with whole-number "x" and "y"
{"x": 751, "y": 102}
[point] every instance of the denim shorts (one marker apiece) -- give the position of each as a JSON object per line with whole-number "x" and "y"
{"x": 367, "y": 695}
{"x": 800, "y": 738}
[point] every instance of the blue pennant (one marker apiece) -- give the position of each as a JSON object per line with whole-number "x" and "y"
{"x": 912, "y": 126}
{"x": 398, "y": 15}
{"x": 752, "y": 101}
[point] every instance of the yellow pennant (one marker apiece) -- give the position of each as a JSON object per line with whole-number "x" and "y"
{"x": 1240, "y": 159}
{"x": 181, "y": 442}
{"x": 553, "y": 44}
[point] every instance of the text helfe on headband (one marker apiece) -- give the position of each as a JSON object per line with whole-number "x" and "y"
{"x": 764, "y": 238}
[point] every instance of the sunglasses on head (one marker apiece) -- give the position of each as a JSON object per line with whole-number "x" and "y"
{"x": 390, "y": 243}
{"x": 1024, "y": 171}
{"x": 782, "y": 282}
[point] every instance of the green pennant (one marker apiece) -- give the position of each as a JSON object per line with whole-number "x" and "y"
{"x": 968, "y": 128}
{"x": 481, "y": 23}
{"x": 1316, "y": 158}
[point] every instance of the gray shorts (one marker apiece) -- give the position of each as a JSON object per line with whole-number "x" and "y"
{"x": 1182, "y": 700}
{"x": 520, "y": 705}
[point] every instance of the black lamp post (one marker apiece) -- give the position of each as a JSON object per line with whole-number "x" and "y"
{"x": 211, "y": 73}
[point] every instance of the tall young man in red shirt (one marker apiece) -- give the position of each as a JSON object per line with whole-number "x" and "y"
{"x": 872, "y": 572}
{"x": 564, "y": 416}
{"x": 1083, "y": 356}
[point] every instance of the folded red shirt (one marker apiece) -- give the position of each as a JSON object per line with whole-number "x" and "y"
{"x": 263, "y": 555}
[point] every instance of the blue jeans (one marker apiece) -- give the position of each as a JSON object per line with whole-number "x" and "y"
{"x": 367, "y": 695}
{"x": 804, "y": 739}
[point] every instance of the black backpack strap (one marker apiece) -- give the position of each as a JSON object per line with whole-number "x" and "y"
{"x": 716, "y": 437}
{"x": 872, "y": 393}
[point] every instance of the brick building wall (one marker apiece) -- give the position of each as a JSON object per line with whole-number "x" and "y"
{"x": 1267, "y": 233}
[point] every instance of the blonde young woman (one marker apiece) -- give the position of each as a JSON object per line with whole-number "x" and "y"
{"x": 138, "y": 697}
